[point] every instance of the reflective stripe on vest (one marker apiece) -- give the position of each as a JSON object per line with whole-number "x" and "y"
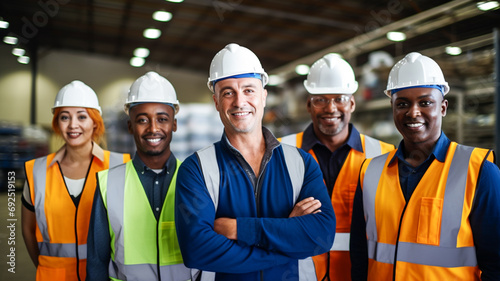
{"x": 115, "y": 159}
{"x": 446, "y": 254}
{"x": 372, "y": 147}
{"x": 39, "y": 177}
{"x": 210, "y": 169}
{"x": 122, "y": 184}
{"x": 290, "y": 140}
{"x": 341, "y": 242}
{"x": 66, "y": 250}
{"x": 296, "y": 170}
{"x": 336, "y": 263}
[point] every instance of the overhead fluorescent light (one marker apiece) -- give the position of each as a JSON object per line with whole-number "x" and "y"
{"x": 141, "y": 52}
{"x": 487, "y": 5}
{"x": 152, "y": 33}
{"x": 11, "y": 40}
{"x": 302, "y": 69}
{"x": 453, "y": 51}
{"x": 18, "y": 52}
{"x": 396, "y": 36}
{"x": 137, "y": 62}
{"x": 23, "y": 59}
{"x": 4, "y": 24}
{"x": 275, "y": 80}
{"x": 162, "y": 16}
{"x": 175, "y": 1}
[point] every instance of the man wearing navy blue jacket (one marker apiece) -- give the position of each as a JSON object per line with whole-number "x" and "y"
{"x": 248, "y": 207}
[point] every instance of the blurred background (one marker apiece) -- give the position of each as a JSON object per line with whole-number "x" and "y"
{"x": 109, "y": 43}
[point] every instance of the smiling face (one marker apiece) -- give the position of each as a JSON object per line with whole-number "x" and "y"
{"x": 331, "y": 119}
{"x": 418, "y": 114}
{"x": 152, "y": 125}
{"x": 240, "y": 103}
{"x": 75, "y": 126}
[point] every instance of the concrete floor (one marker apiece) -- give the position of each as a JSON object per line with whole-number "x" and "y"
{"x": 24, "y": 268}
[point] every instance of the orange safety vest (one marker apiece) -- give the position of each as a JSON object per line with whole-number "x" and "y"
{"x": 342, "y": 200}
{"x": 62, "y": 227}
{"x": 429, "y": 237}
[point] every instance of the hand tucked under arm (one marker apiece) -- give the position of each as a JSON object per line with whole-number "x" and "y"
{"x": 226, "y": 227}
{"x": 306, "y": 207}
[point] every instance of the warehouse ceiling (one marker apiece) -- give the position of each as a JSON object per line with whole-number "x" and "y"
{"x": 281, "y": 33}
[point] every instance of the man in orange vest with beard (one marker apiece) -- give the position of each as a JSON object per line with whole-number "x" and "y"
{"x": 429, "y": 210}
{"x": 339, "y": 149}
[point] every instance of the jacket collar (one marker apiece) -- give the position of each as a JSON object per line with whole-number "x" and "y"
{"x": 310, "y": 140}
{"x": 269, "y": 138}
{"x": 439, "y": 152}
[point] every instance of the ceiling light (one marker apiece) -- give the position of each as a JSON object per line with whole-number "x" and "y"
{"x": 302, "y": 69}
{"x": 396, "y": 36}
{"x": 137, "y": 62}
{"x": 162, "y": 16}
{"x": 274, "y": 80}
{"x": 10, "y": 40}
{"x": 18, "y": 52}
{"x": 175, "y": 1}
{"x": 453, "y": 51}
{"x": 141, "y": 52}
{"x": 152, "y": 33}
{"x": 23, "y": 59}
{"x": 487, "y": 5}
{"x": 4, "y": 24}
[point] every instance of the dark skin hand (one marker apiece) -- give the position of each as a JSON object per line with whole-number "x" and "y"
{"x": 228, "y": 227}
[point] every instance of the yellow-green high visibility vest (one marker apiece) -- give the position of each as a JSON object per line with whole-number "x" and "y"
{"x": 142, "y": 248}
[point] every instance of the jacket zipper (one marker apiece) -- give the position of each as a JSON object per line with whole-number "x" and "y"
{"x": 257, "y": 205}
{"x": 258, "y": 188}
{"x": 257, "y": 199}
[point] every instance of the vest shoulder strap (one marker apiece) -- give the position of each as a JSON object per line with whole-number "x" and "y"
{"x": 210, "y": 168}
{"x": 296, "y": 168}
{"x": 115, "y": 159}
{"x": 372, "y": 147}
{"x": 290, "y": 139}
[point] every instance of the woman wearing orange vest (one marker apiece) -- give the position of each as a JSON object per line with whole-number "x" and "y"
{"x": 429, "y": 210}
{"x": 59, "y": 189}
{"x": 339, "y": 149}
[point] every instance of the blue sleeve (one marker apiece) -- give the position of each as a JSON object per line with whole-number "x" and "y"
{"x": 485, "y": 222}
{"x": 98, "y": 241}
{"x": 358, "y": 245}
{"x": 297, "y": 237}
{"x": 201, "y": 247}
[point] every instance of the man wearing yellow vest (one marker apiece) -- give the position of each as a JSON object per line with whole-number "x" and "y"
{"x": 429, "y": 210}
{"x": 339, "y": 149}
{"x": 132, "y": 232}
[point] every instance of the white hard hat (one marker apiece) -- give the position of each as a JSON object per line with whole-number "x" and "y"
{"x": 331, "y": 75}
{"x": 76, "y": 94}
{"x": 416, "y": 70}
{"x": 152, "y": 87}
{"x": 234, "y": 60}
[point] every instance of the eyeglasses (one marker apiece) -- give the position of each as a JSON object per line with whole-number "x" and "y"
{"x": 321, "y": 102}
